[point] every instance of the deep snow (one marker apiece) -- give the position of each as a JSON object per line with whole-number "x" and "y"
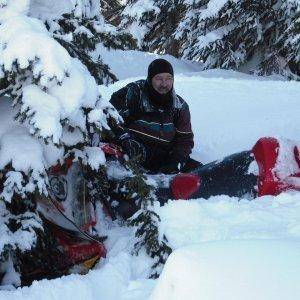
{"x": 229, "y": 111}
{"x": 229, "y": 270}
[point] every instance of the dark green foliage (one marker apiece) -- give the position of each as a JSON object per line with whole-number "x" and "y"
{"x": 21, "y": 216}
{"x": 257, "y": 36}
{"x": 160, "y": 27}
{"x": 80, "y": 36}
{"x": 146, "y": 220}
{"x": 280, "y": 48}
{"x": 226, "y": 39}
{"x": 98, "y": 185}
{"x": 291, "y": 46}
{"x": 111, "y": 10}
{"x": 161, "y": 36}
{"x": 97, "y": 68}
{"x": 136, "y": 185}
{"x": 239, "y": 32}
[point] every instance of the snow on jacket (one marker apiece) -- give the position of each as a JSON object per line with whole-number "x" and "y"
{"x": 166, "y": 133}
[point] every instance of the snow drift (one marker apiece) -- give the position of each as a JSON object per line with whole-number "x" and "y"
{"x": 232, "y": 270}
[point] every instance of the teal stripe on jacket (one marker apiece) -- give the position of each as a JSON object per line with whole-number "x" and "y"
{"x": 167, "y": 127}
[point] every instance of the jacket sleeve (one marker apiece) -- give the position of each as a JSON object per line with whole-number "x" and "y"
{"x": 124, "y": 100}
{"x": 184, "y": 137}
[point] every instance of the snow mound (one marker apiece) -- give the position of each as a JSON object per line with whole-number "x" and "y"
{"x": 225, "y": 218}
{"x": 261, "y": 270}
{"x": 128, "y": 64}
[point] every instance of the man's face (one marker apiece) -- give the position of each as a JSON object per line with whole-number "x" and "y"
{"x": 163, "y": 83}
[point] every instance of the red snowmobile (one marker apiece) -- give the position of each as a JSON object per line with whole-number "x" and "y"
{"x": 269, "y": 168}
{"x": 70, "y": 215}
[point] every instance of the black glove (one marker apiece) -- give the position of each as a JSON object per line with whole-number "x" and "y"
{"x": 133, "y": 148}
{"x": 171, "y": 168}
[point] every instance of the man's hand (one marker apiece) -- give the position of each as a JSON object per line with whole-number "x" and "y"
{"x": 171, "y": 168}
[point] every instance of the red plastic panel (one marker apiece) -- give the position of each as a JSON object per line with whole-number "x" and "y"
{"x": 77, "y": 249}
{"x": 266, "y": 154}
{"x": 62, "y": 169}
{"x": 185, "y": 185}
{"x": 81, "y": 252}
{"x": 112, "y": 150}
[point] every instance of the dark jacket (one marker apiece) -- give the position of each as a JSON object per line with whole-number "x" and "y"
{"x": 165, "y": 132}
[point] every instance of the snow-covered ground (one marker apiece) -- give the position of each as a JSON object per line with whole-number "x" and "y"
{"x": 225, "y": 248}
{"x": 229, "y": 270}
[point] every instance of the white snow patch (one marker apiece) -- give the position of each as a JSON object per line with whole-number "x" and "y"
{"x": 262, "y": 270}
{"x": 128, "y": 64}
{"x": 20, "y": 148}
{"x": 225, "y": 218}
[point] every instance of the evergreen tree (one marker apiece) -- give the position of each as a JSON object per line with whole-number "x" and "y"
{"x": 233, "y": 34}
{"x": 147, "y": 223}
{"x": 255, "y": 36}
{"x": 153, "y": 24}
{"x": 290, "y": 41}
{"x": 111, "y": 11}
{"x": 57, "y": 104}
{"x": 225, "y": 34}
{"x": 82, "y": 29}
{"x": 146, "y": 220}
{"x": 293, "y": 45}
{"x": 275, "y": 58}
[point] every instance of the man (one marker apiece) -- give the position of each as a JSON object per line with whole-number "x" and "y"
{"x": 157, "y": 124}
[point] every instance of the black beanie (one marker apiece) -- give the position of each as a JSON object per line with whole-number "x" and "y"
{"x": 159, "y": 66}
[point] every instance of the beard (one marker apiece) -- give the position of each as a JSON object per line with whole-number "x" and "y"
{"x": 163, "y": 90}
{"x": 163, "y": 99}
